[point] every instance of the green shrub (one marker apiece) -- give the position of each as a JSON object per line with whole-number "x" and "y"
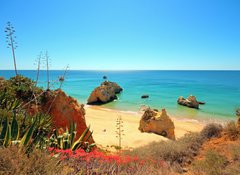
{"x": 211, "y": 130}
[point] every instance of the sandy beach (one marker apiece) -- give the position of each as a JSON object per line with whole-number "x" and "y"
{"x": 103, "y": 124}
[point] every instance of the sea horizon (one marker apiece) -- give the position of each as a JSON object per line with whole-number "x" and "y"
{"x": 220, "y": 89}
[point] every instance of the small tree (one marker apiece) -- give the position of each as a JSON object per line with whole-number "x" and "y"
{"x": 11, "y": 43}
{"x": 119, "y": 131}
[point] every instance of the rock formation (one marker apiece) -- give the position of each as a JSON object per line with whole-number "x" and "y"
{"x": 65, "y": 109}
{"x": 238, "y": 116}
{"x": 145, "y": 96}
{"x": 190, "y": 102}
{"x": 105, "y": 93}
{"x": 158, "y": 123}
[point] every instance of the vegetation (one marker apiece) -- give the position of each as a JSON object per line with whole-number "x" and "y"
{"x": 13, "y": 161}
{"x": 119, "y": 131}
{"x": 11, "y": 42}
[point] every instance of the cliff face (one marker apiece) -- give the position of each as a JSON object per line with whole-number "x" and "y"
{"x": 65, "y": 109}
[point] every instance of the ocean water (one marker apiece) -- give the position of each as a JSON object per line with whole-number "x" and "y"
{"x": 219, "y": 89}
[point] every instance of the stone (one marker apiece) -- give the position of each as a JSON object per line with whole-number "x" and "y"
{"x": 157, "y": 122}
{"x": 65, "y": 109}
{"x": 104, "y": 93}
{"x": 145, "y": 96}
{"x": 190, "y": 102}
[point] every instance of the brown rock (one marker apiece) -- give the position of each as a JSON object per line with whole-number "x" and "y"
{"x": 158, "y": 123}
{"x": 105, "y": 93}
{"x": 238, "y": 116}
{"x": 65, "y": 109}
{"x": 190, "y": 102}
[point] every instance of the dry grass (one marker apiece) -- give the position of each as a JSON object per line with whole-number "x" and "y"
{"x": 232, "y": 130}
{"x": 13, "y": 161}
{"x": 213, "y": 164}
{"x": 211, "y": 130}
{"x": 175, "y": 153}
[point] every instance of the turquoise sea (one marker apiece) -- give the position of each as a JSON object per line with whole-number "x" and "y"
{"x": 219, "y": 89}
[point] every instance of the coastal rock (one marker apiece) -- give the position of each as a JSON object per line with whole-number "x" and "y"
{"x": 190, "y": 102}
{"x": 65, "y": 109}
{"x": 158, "y": 123}
{"x": 238, "y": 116}
{"x": 145, "y": 96}
{"x": 105, "y": 93}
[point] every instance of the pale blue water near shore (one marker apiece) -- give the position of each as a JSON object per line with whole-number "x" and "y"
{"x": 219, "y": 89}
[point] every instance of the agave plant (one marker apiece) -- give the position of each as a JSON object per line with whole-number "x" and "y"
{"x": 66, "y": 140}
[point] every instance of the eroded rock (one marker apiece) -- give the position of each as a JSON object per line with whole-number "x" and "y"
{"x": 65, "y": 109}
{"x": 190, "y": 102}
{"x": 158, "y": 123}
{"x": 105, "y": 93}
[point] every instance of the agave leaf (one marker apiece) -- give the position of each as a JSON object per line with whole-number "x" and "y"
{"x": 78, "y": 143}
{"x": 7, "y": 139}
{"x": 89, "y": 136}
{"x": 72, "y": 133}
{"x": 4, "y": 130}
{"x": 14, "y": 128}
{"x": 28, "y": 135}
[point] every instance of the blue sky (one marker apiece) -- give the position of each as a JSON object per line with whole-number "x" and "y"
{"x": 124, "y": 34}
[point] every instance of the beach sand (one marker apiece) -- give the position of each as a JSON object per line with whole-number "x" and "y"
{"x": 103, "y": 124}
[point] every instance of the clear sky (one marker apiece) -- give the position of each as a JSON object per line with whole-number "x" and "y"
{"x": 123, "y": 34}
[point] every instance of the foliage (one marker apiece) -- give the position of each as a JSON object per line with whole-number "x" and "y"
{"x": 19, "y": 87}
{"x": 211, "y": 130}
{"x": 29, "y": 137}
{"x": 66, "y": 140}
{"x": 213, "y": 164}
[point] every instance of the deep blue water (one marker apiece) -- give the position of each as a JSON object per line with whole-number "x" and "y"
{"x": 219, "y": 89}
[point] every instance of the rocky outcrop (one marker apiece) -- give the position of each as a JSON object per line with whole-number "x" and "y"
{"x": 145, "y": 96}
{"x": 190, "y": 102}
{"x": 65, "y": 109}
{"x": 105, "y": 93}
{"x": 158, "y": 123}
{"x": 238, "y": 116}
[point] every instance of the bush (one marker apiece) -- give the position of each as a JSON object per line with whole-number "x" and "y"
{"x": 232, "y": 130}
{"x": 14, "y": 161}
{"x": 176, "y": 153}
{"x": 213, "y": 164}
{"x": 211, "y": 130}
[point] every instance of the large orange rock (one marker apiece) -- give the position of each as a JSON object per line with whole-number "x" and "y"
{"x": 104, "y": 93}
{"x": 65, "y": 109}
{"x": 158, "y": 123}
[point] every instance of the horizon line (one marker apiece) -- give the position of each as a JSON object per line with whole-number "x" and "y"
{"x": 124, "y": 70}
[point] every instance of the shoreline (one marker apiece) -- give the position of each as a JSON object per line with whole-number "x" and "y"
{"x": 103, "y": 123}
